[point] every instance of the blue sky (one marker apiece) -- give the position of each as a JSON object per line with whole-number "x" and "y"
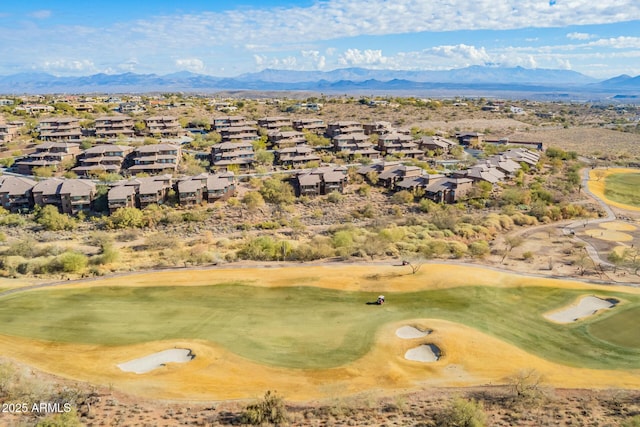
{"x": 224, "y": 38}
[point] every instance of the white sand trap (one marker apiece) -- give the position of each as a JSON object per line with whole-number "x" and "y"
{"x": 425, "y": 353}
{"x": 157, "y": 360}
{"x": 411, "y": 332}
{"x": 586, "y": 307}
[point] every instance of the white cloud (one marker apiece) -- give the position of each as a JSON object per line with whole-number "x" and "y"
{"x": 580, "y": 36}
{"x": 618, "y": 42}
{"x": 357, "y": 57}
{"x": 191, "y": 64}
{"x": 461, "y": 51}
{"x": 40, "y": 14}
{"x": 83, "y": 65}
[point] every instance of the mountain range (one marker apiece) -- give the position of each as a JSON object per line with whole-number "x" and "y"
{"x": 474, "y": 80}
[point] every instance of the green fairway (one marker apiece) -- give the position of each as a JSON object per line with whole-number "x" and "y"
{"x": 305, "y": 327}
{"x": 623, "y": 188}
{"x": 620, "y": 328}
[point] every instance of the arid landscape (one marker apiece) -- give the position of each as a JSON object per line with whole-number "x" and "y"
{"x": 516, "y": 304}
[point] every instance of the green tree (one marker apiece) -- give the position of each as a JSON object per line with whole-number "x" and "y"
{"x": 52, "y": 220}
{"x": 72, "y": 262}
{"x": 126, "y": 218}
{"x": 275, "y": 190}
{"x": 264, "y": 157}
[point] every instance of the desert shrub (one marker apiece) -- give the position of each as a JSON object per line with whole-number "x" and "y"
{"x": 64, "y": 419}
{"x": 527, "y": 386}
{"x": 259, "y": 249}
{"x": 402, "y": 197}
{"x": 457, "y": 249}
{"x": 271, "y": 409}
{"x": 268, "y": 225}
{"x": 253, "y": 200}
{"x": 159, "y": 241}
{"x": 479, "y": 249}
{"x": 70, "y": 262}
{"x": 12, "y": 220}
{"x": 427, "y": 205}
{"x": 108, "y": 254}
{"x": 522, "y": 219}
{"x": 128, "y": 236}
{"x": 462, "y": 413}
{"x": 342, "y": 239}
{"x": 52, "y": 220}
{"x": 126, "y": 218}
{"x": 631, "y": 422}
{"x": 335, "y": 197}
{"x": 393, "y": 234}
{"x": 364, "y": 190}
{"x": 505, "y": 222}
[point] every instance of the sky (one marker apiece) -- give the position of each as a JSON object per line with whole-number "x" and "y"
{"x": 599, "y": 38}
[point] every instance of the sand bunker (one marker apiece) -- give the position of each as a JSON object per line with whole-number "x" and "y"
{"x": 586, "y": 307}
{"x": 411, "y": 332}
{"x": 157, "y": 360}
{"x": 425, "y": 353}
{"x": 609, "y": 235}
{"x": 618, "y": 226}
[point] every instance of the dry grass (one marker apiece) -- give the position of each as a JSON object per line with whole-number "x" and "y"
{"x": 585, "y": 140}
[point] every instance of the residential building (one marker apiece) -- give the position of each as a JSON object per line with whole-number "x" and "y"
{"x": 522, "y": 155}
{"x": 274, "y": 122}
{"x": 436, "y": 143}
{"x": 378, "y": 128}
{"x": 102, "y": 158}
{"x": 121, "y": 196}
{"x": 60, "y": 130}
{"x": 296, "y": 156}
{"x": 8, "y": 131}
{"x": 482, "y": 172}
{"x": 471, "y": 139}
{"x": 155, "y": 159}
{"x": 4, "y": 102}
{"x": 323, "y": 180}
{"x": 310, "y": 124}
{"x": 398, "y": 144}
{"x": 190, "y": 191}
{"x": 223, "y": 122}
{"x": 243, "y": 133}
{"x": 16, "y": 193}
{"x": 448, "y": 190}
{"x": 152, "y": 190}
{"x": 355, "y": 144}
{"x": 220, "y": 186}
{"x": 504, "y": 164}
{"x": 163, "y": 126}
{"x": 283, "y": 139}
{"x": 48, "y": 154}
{"x": 206, "y": 187}
{"x": 130, "y": 108}
{"x": 114, "y": 126}
{"x": 232, "y": 153}
{"x": 34, "y": 109}
{"x": 343, "y": 127}
{"x": 70, "y": 196}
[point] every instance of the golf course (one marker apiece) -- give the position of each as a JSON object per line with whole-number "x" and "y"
{"x": 617, "y": 187}
{"x": 315, "y": 331}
